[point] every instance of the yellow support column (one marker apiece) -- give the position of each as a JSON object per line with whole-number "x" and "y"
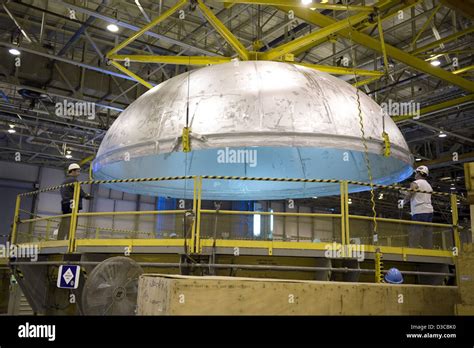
{"x": 197, "y": 248}
{"x": 48, "y": 226}
{"x": 346, "y": 211}
{"x": 454, "y": 208}
{"x": 343, "y": 213}
{"x": 193, "y": 230}
{"x": 469, "y": 179}
{"x": 73, "y": 223}
{"x": 16, "y": 219}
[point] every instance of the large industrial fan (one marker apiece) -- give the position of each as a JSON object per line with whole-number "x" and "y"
{"x": 112, "y": 288}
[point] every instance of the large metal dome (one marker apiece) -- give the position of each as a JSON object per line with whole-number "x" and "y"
{"x": 302, "y": 123}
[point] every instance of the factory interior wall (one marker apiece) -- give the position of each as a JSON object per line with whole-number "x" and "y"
{"x": 16, "y": 178}
{"x": 9, "y": 189}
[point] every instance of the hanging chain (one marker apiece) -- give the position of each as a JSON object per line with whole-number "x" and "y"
{"x": 363, "y": 137}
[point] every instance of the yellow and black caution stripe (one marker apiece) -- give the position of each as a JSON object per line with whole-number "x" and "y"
{"x": 245, "y": 178}
{"x": 119, "y": 181}
{"x": 395, "y": 187}
{"x": 222, "y": 177}
{"x": 47, "y": 189}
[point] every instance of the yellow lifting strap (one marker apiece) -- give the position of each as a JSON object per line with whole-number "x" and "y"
{"x": 186, "y": 140}
{"x": 386, "y": 144}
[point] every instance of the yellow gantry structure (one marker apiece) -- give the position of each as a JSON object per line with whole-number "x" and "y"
{"x": 222, "y": 29}
{"x": 292, "y": 46}
{"x": 281, "y": 52}
{"x": 321, "y": 20}
{"x": 353, "y": 27}
{"x": 298, "y": 3}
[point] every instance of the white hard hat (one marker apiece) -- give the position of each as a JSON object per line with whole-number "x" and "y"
{"x": 73, "y": 166}
{"x": 422, "y": 170}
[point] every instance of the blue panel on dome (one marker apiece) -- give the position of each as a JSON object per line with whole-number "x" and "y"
{"x": 274, "y": 162}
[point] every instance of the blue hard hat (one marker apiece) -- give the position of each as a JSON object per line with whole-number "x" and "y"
{"x": 394, "y": 276}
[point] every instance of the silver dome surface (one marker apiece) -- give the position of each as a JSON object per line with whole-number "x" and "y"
{"x": 301, "y": 122}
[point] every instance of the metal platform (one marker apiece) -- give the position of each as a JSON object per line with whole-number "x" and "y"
{"x": 206, "y": 247}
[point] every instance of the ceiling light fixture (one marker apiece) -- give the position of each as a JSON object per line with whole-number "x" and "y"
{"x": 113, "y": 28}
{"x": 14, "y": 51}
{"x": 12, "y": 129}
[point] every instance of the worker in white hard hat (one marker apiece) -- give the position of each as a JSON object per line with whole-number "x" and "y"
{"x": 67, "y": 195}
{"x": 421, "y": 210}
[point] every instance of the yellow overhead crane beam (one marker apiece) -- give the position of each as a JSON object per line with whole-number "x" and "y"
{"x": 365, "y": 82}
{"x": 135, "y": 36}
{"x": 367, "y": 25}
{"x": 329, "y": 27}
{"x": 131, "y": 74}
{"x": 327, "y": 30}
{"x": 147, "y": 27}
{"x": 203, "y": 60}
{"x": 236, "y": 44}
{"x": 298, "y": 3}
{"x": 444, "y": 40}
{"x": 425, "y": 25}
{"x": 177, "y": 60}
{"x": 437, "y": 107}
{"x": 442, "y": 53}
{"x": 463, "y": 70}
{"x": 337, "y": 70}
{"x": 321, "y": 20}
{"x": 224, "y": 31}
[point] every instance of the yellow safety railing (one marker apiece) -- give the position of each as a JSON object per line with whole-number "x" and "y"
{"x": 198, "y": 239}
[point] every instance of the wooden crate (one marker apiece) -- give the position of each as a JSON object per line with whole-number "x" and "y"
{"x": 161, "y": 294}
{"x": 465, "y": 274}
{"x": 463, "y": 309}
